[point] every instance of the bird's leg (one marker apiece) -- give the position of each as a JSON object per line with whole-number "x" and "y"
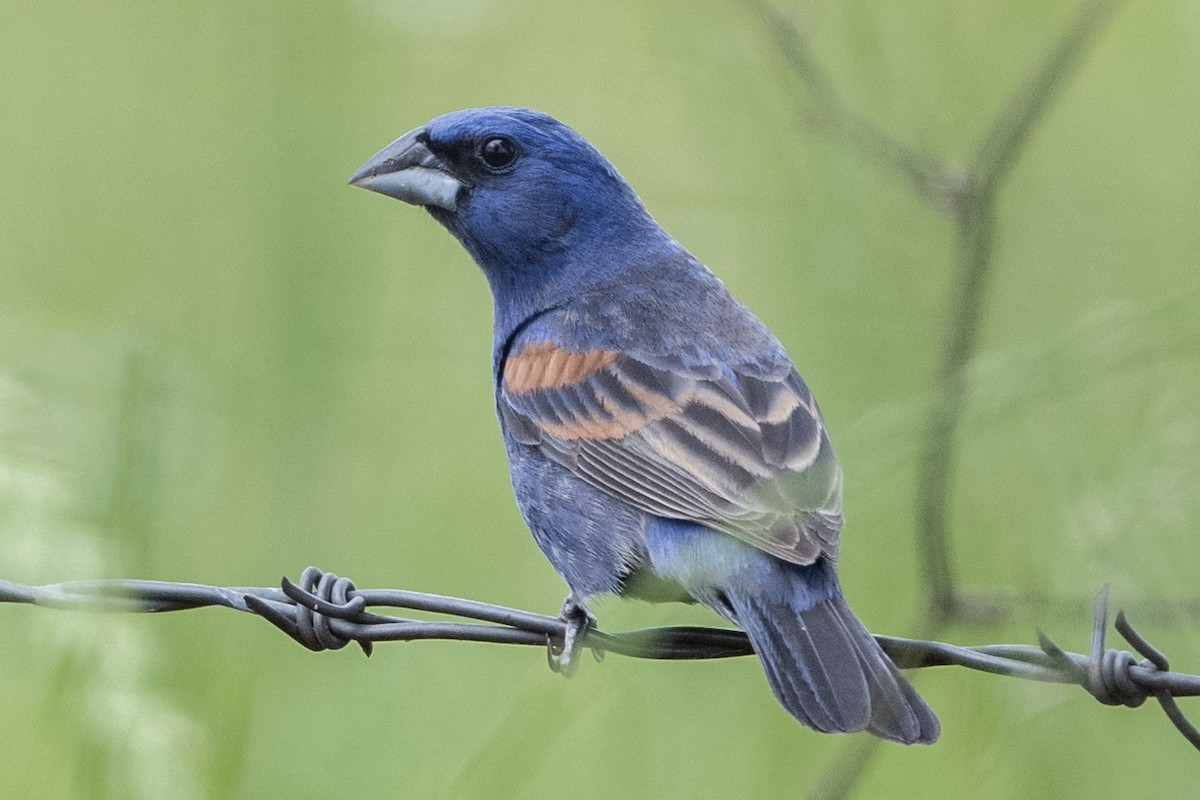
{"x": 565, "y": 660}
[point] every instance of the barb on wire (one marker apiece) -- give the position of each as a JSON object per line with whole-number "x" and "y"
{"x": 325, "y": 612}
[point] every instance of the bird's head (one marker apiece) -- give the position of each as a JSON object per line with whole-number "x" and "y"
{"x": 540, "y": 210}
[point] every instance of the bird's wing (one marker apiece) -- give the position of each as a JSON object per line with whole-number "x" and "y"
{"x": 745, "y": 455}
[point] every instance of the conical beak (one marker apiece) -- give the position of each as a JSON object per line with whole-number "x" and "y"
{"x": 408, "y": 170}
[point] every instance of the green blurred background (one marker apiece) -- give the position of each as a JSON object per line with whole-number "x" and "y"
{"x": 218, "y": 363}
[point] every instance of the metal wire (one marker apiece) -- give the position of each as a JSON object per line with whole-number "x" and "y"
{"x": 325, "y": 612}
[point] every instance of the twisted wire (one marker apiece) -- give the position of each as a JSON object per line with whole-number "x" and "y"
{"x": 325, "y": 612}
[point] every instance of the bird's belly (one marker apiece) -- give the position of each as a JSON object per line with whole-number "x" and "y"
{"x": 592, "y": 539}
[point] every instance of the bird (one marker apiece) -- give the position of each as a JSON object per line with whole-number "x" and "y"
{"x": 661, "y": 444}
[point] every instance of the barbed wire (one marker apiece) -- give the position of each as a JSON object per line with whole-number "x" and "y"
{"x": 325, "y": 612}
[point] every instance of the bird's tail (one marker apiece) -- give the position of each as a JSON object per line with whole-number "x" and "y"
{"x": 822, "y": 663}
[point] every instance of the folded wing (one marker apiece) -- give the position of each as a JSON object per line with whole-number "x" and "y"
{"x": 745, "y": 455}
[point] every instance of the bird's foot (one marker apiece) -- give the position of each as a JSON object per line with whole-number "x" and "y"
{"x": 565, "y": 659}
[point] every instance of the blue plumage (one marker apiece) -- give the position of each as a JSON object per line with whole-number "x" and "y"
{"x": 660, "y": 442}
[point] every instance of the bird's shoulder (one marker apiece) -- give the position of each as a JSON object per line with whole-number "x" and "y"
{"x": 671, "y": 314}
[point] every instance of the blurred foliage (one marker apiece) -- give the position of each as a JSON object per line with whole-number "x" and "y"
{"x": 218, "y": 363}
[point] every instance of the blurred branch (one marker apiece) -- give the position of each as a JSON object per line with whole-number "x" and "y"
{"x": 928, "y": 177}
{"x": 980, "y": 608}
{"x": 969, "y": 197}
{"x": 1012, "y": 127}
{"x": 325, "y": 612}
{"x": 974, "y": 215}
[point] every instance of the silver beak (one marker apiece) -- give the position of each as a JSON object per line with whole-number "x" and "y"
{"x": 408, "y": 170}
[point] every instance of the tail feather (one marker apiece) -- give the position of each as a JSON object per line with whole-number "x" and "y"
{"x": 827, "y": 670}
{"x": 897, "y": 711}
{"x": 808, "y": 679}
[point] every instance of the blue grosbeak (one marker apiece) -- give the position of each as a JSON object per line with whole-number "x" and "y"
{"x": 660, "y": 442}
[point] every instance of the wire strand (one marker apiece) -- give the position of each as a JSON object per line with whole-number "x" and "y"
{"x": 325, "y": 612}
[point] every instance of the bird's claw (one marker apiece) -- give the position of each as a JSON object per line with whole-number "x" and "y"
{"x": 564, "y": 659}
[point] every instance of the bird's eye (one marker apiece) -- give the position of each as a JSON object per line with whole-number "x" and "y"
{"x": 498, "y": 152}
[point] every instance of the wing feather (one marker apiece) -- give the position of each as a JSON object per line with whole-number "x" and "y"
{"x": 744, "y": 454}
